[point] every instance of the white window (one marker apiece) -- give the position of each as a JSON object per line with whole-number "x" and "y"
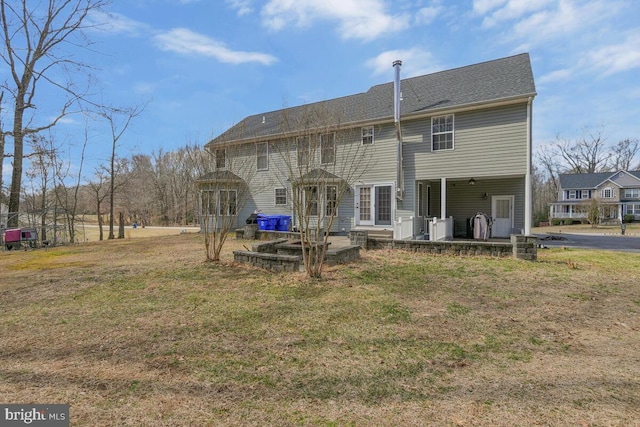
{"x": 303, "y": 151}
{"x": 367, "y": 135}
{"x": 220, "y": 202}
{"x": 228, "y": 202}
{"x": 281, "y": 196}
{"x": 311, "y": 199}
{"x": 221, "y": 158}
{"x": 585, "y": 194}
{"x": 632, "y": 193}
{"x": 332, "y": 201}
{"x": 572, "y": 194}
{"x": 262, "y": 156}
{"x": 633, "y": 209}
{"x": 607, "y": 193}
{"x": 442, "y": 133}
{"x": 328, "y": 148}
{"x": 209, "y": 205}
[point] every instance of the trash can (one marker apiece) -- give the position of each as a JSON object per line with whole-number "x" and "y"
{"x": 283, "y": 222}
{"x": 263, "y": 222}
{"x": 272, "y": 220}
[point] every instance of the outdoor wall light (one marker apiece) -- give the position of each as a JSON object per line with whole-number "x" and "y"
{"x": 485, "y": 195}
{"x": 472, "y": 181}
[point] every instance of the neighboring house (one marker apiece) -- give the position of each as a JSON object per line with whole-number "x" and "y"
{"x": 616, "y": 194}
{"x": 459, "y": 144}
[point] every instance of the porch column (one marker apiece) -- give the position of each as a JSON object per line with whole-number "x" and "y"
{"x": 443, "y": 198}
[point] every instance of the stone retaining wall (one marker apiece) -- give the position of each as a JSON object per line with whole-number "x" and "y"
{"x": 521, "y": 247}
{"x": 525, "y": 247}
{"x": 342, "y": 255}
{"x": 274, "y": 262}
{"x": 268, "y": 247}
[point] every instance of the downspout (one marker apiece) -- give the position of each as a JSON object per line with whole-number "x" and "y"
{"x": 397, "y": 96}
{"x": 528, "y": 193}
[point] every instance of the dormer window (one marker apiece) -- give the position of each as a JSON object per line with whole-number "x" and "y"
{"x": 221, "y": 158}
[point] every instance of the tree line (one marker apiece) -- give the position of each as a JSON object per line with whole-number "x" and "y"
{"x": 147, "y": 189}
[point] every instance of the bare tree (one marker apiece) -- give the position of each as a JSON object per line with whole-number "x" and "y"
{"x": 223, "y": 194}
{"x": 67, "y": 192}
{"x": 624, "y": 154}
{"x": 141, "y": 196}
{"x": 2, "y": 153}
{"x": 41, "y": 175}
{"x": 100, "y": 189}
{"x": 119, "y": 120}
{"x": 588, "y": 154}
{"x": 34, "y": 35}
{"x": 161, "y": 186}
{"x": 323, "y": 160}
{"x": 193, "y": 157}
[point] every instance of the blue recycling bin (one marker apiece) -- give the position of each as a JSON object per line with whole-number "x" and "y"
{"x": 283, "y": 222}
{"x": 263, "y": 222}
{"x": 272, "y": 221}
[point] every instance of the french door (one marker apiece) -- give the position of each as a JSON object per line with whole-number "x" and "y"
{"x": 374, "y": 205}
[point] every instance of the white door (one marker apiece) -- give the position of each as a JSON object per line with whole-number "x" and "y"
{"x": 502, "y": 214}
{"x": 374, "y": 205}
{"x": 364, "y": 206}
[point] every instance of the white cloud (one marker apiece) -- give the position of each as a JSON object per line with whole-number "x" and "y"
{"x": 427, "y": 15}
{"x": 186, "y": 42}
{"x": 513, "y": 9}
{"x": 415, "y": 62}
{"x": 115, "y": 23}
{"x": 616, "y": 58}
{"x": 357, "y": 19}
{"x": 483, "y": 6}
{"x": 244, "y": 7}
{"x": 555, "y": 76}
{"x": 537, "y": 22}
{"x": 144, "y": 88}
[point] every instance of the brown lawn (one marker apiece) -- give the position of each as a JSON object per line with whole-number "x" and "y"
{"x": 143, "y": 332}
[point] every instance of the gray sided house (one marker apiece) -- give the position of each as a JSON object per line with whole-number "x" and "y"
{"x": 615, "y": 194}
{"x": 418, "y": 156}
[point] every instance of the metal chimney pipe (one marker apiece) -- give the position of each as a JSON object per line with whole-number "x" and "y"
{"x": 396, "y": 90}
{"x": 396, "y": 118}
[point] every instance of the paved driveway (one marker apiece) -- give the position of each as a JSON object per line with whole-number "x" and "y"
{"x": 591, "y": 241}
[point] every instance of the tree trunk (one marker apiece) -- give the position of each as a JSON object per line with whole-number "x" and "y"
{"x": 100, "y": 220}
{"x": 18, "y": 152}
{"x": 121, "y": 226}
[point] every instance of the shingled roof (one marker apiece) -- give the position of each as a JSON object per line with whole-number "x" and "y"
{"x": 583, "y": 181}
{"x": 493, "y": 81}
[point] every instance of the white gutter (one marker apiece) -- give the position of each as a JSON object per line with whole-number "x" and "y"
{"x": 528, "y": 193}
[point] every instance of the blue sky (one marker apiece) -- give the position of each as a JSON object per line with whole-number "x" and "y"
{"x": 202, "y": 65}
